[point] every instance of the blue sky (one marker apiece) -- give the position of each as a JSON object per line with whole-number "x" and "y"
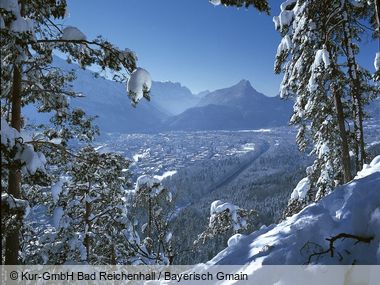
{"x": 191, "y": 41}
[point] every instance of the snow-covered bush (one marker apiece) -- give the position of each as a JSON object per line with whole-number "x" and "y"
{"x": 224, "y": 218}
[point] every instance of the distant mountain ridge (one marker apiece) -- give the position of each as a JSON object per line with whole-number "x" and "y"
{"x": 173, "y": 107}
{"x": 240, "y": 93}
{"x": 108, "y": 100}
{"x": 237, "y": 107}
{"x": 172, "y": 97}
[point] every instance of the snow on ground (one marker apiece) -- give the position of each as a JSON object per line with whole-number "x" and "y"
{"x": 353, "y": 208}
{"x": 255, "y": 131}
{"x": 166, "y": 174}
{"x": 299, "y": 193}
{"x": 248, "y": 147}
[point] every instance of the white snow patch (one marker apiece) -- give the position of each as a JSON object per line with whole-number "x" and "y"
{"x": 376, "y": 63}
{"x": 138, "y": 156}
{"x": 165, "y": 175}
{"x": 8, "y": 134}
{"x": 145, "y": 182}
{"x": 138, "y": 84}
{"x": 286, "y": 4}
{"x": 33, "y": 160}
{"x": 368, "y": 169}
{"x": 299, "y": 193}
{"x": 283, "y": 20}
{"x": 358, "y": 3}
{"x": 218, "y": 207}
{"x": 248, "y": 147}
{"x": 234, "y": 240}
{"x": 255, "y": 131}
{"x": 321, "y": 59}
{"x": 216, "y": 2}
{"x": 285, "y": 45}
{"x": 13, "y": 202}
{"x": 168, "y": 237}
{"x": 72, "y": 34}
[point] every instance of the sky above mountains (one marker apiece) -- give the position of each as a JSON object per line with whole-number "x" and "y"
{"x": 191, "y": 41}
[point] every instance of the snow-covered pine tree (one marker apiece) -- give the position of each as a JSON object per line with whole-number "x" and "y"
{"x": 305, "y": 60}
{"x": 30, "y": 32}
{"x": 152, "y": 205}
{"x": 94, "y": 211}
{"x": 314, "y": 58}
{"x": 225, "y": 219}
{"x": 359, "y": 80}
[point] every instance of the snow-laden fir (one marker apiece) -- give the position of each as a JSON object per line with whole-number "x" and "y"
{"x": 31, "y": 160}
{"x": 218, "y": 207}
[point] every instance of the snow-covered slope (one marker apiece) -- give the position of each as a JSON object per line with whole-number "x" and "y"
{"x": 352, "y": 209}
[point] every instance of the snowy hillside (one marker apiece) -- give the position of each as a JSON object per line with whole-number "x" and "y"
{"x": 352, "y": 209}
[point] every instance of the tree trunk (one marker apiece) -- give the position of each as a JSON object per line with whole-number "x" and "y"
{"x": 113, "y": 255}
{"x": 150, "y": 218}
{"x": 342, "y": 132}
{"x": 88, "y": 226}
{"x": 377, "y": 14}
{"x": 12, "y": 242}
{"x": 356, "y": 96}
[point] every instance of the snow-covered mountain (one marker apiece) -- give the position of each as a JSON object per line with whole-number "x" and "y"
{"x": 109, "y": 101}
{"x": 202, "y": 94}
{"x": 238, "y": 95}
{"x": 172, "y": 106}
{"x": 236, "y": 107}
{"x": 350, "y": 211}
{"x": 172, "y": 97}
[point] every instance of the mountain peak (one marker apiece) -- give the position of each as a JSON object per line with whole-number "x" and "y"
{"x": 244, "y": 82}
{"x": 242, "y": 88}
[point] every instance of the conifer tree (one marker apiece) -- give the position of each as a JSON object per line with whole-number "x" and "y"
{"x": 152, "y": 207}
{"x": 30, "y": 32}
{"x": 317, "y": 55}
